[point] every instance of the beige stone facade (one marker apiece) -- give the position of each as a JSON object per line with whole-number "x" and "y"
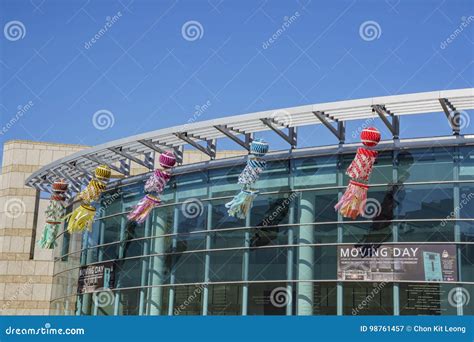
{"x": 26, "y": 272}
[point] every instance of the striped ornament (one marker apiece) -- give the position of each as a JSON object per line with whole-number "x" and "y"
{"x": 370, "y": 136}
{"x": 103, "y": 172}
{"x": 167, "y": 160}
{"x": 361, "y": 166}
{"x": 259, "y": 147}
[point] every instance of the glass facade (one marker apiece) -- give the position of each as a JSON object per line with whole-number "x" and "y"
{"x": 191, "y": 258}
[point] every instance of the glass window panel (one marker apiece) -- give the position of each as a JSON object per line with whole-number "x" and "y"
{"x": 467, "y": 262}
{"x": 326, "y": 233}
{"x": 192, "y": 216}
{"x": 190, "y": 242}
{"x": 162, "y": 220}
{"x": 315, "y": 172}
{"x": 382, "y": 172}
{"x": 367, "y": 298}
{"x": 425, "y": 165}
{"x": 227, "y": 239}
{"x": 192, "y": 185}
{"x": 225, "y": 299}
{"x": 128, "y": 272}
{"x": 275, "y": 177}
{"x": 370, "y": 232}
{"x": 268, "y": 263}
{"x": 220, "y": 218}
{"x": 270, "y": 210}
{"x": 319, "y": 203}
{"x": 129, "y": 302}
{"x": 189, "y": 267}
{"x": 223, "y": 182}
{"x": 226, "y": 265}
{"x": 466, "y": 165}
{"x": 157, "y": 300}
{"x": 268, "y": 236}
{"x": 425, "y": 201}
{"x": 324, "y": 299}
{"x": 103, "y": 303}
{"x": 467, "y": 231}
{"x": 466, "y": 201}
{"x": 425, "y": 231}
{"x": 188, "y": 300}
{"x": 320, "y": 260}
{"x": 268, "y": 299}
{"x": 425, "y": 299}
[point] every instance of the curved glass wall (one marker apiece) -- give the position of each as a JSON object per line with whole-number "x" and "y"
{"x": 190, "y": 258}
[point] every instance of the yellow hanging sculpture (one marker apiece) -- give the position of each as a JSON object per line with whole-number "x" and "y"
{"x": 83, "y": 216}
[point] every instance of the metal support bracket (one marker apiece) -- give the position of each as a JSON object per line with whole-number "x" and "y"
{"x": 178, "y": 151}
{"x": 210, "y": 149}
{"x": 339, "y": 132}
{"x": 452, "y": 115}
{"x": 383, "y": 113}
{"x": 120, "y": 151}
{"x": 290, "y": 138}
{"x": 229, "y": 132}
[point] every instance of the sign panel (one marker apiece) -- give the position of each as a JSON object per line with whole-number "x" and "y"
{"x": 94, "y": 277}
{"x": 397, "y": 262}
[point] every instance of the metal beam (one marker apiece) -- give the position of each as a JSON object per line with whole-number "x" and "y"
{"x": 290, "y": 138}
{"x": 210, "y": 150}
{"x": 100, "y": 161}
{"x": 72, "y": 182}
{"x": 178, "y": 151}
{"x": 125, "y": 154}
{"x": 339, "y": 132}
{"x": 383, "y": 113}
{"x": 452, "y": 115}
{"x": 230, "y": 134}
{"x": 151, "y": 145}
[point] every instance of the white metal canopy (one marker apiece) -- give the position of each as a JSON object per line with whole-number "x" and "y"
{"x": 78, "y": 167}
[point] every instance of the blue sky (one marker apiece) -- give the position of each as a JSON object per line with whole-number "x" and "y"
{"x": 149, "y": 75}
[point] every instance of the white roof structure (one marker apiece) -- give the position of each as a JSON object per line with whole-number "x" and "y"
{"x": 78, "y": 168}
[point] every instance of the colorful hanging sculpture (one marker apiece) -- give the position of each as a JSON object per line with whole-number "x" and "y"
{"x": 154, "y": 186}
{"x": 240, "y": 204}
{"x": 83, "y": 216}
{"x": 352, "y": 203}
{"x": 54, "y": 214}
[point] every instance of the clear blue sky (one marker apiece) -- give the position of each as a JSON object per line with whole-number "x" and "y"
{"x": 149, "y": 76}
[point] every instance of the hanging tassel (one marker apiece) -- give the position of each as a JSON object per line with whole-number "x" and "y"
{"x": 240, "y": 204}
{"x": 352, "y": 203}
{"x": 48, "y": 237}
{"x": 141, "y": 211}
{"x": 81, "y": 218}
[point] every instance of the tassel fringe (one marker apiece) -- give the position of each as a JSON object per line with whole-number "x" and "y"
{"x": 141, "y": 211}
{"x": 352, "y": 203}
{"x": 48, "y": 238}
{"x": 81, "y": 218}
{"x": 240, "y": 204}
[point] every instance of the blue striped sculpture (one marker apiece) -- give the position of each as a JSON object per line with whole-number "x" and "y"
{"x": 241, "y": 203}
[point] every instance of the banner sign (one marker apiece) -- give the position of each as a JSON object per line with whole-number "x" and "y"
{"x": 95, "y": 277}
{"x": 397, "y": 262}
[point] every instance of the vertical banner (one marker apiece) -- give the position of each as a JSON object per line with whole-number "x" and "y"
{"x": 397, "y": 262}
